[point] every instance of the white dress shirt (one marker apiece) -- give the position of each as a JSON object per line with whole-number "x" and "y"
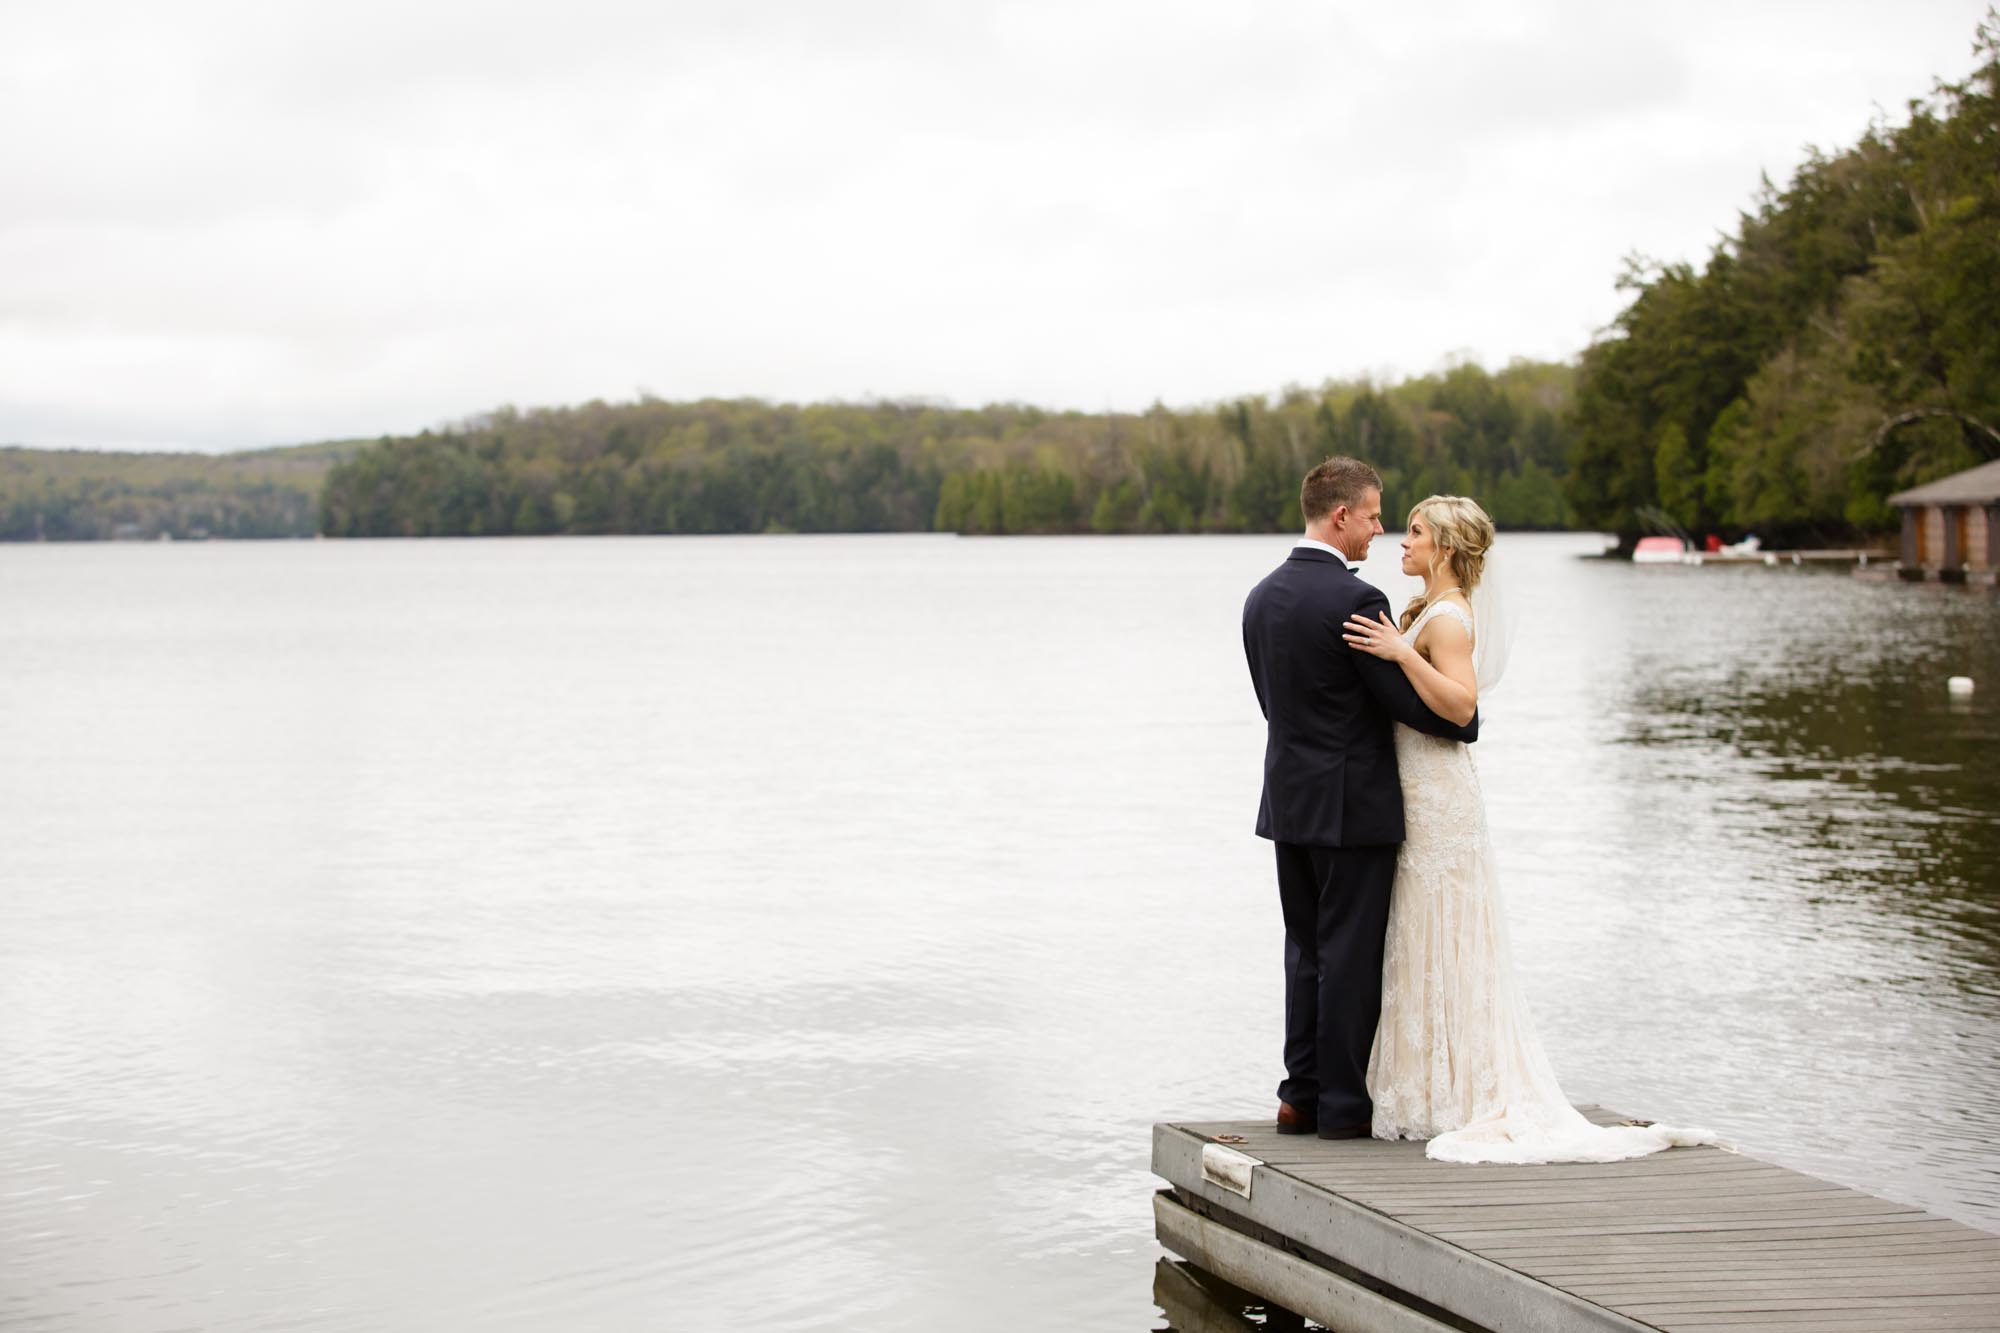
{"x": 1317, "y": 545}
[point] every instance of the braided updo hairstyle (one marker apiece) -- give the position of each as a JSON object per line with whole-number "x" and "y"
{"x": 1461, "y": 535}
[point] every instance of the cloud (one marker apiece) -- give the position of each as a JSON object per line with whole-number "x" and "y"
{"x": 244, "y": 223}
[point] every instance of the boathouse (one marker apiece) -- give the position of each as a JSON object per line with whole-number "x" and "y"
{"x": 1951, "y": 527}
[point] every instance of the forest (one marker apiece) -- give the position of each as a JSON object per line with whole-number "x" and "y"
{"x": 1838, "y": 345}
{"x": 90, "y": 495}
{"x": 750, "y": 466}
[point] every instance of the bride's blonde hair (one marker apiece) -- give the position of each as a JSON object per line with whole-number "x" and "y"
{"x": 1461, "y": 535}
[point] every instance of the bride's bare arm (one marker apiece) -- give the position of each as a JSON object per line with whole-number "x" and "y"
{"x": 1446, "y": 682}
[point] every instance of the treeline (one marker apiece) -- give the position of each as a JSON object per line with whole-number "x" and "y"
{"x": 750, "y": 466}
{"x": 85, "y": 495}
{"x": 1840, "y": 346}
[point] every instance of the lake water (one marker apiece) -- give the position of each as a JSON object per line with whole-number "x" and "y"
{"x": 794, "y": 933}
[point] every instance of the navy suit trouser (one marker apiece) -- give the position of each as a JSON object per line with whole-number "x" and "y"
{"x": 1336, "y": 908}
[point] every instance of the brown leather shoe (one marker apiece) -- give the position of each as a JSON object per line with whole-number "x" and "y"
{"x": 1294, "y": 1120}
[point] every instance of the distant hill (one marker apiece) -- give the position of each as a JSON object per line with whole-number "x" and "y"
{"x": 86, "y": 495}
{"x": 751, "y": 466}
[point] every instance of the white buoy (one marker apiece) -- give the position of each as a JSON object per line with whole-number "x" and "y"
{"x": 1959, "y": 685}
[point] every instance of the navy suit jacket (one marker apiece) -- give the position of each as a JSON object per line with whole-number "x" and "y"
{"x": 1329, "y": 753}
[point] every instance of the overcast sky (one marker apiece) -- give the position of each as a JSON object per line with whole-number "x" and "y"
{"x": 230, "y": 224}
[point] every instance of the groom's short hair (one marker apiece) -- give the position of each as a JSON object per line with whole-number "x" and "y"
{"x": 1336, "y": 482}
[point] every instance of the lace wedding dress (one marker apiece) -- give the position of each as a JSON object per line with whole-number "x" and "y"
{"x": 1456, "y": 1060}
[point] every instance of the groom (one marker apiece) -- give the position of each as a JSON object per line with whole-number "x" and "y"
{"x": 1332, "y": 801}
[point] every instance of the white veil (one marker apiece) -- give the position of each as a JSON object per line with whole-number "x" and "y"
{"x": 1493, "y": 620}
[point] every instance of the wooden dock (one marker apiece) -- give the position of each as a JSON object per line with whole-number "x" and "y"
{"x": 1369, "y": 1237}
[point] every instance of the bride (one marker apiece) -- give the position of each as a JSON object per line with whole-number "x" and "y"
{"x": 1456, "y": 1060}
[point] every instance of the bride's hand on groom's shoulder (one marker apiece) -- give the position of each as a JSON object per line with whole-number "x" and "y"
{"x": 1378, "y": 637}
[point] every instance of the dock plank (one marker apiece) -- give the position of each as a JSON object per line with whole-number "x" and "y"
{"x": 1724, "y": 1263}
{"x": 1696, "y": 1238}
{"x": 1897, "y": 1289}
{"x": 1587, "y": 1201}
{"x": 1849, "y": 1318}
